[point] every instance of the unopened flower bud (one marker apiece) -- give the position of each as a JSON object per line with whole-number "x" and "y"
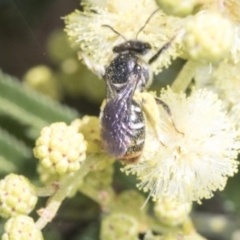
{"x": 17, "y": 196}
{"x": 208, "y": 37}
{"x": 170, "y": 212}
{"x": 60, "y": 148}
{"x": 42, "y": 79}
{"x": 119, "y": 226}
{"x": 90, "y": 128}
{"x": 21, "y": 228}
{"x": 179, "y": 8}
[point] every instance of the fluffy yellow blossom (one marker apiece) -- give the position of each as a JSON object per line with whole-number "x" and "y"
{"x": 96, "y": 41}
{"x": 207, "y": 38}
{"x": 225, "y": 80}
{"x": 190, "y": 157}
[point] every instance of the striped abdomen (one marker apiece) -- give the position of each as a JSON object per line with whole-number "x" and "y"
{"x": 137, "y": 134}
{"x": 123, "y": 129}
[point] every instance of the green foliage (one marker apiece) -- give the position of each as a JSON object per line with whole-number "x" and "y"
{"x": 99, "y": 200}
{"x": 23, "y": 113}
{"x": 13, "y": 153}
{"x": 29, "y": 107}
{"x": 231, "y": 194}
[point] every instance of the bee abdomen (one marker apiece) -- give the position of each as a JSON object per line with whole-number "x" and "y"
{"x": 137, "y": 134}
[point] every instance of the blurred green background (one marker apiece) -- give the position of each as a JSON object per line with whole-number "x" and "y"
{"x": 35, "y": 49}
{"x": 31, "y": 34}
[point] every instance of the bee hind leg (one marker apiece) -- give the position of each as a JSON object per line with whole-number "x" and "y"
{"x": 168, "y": 111}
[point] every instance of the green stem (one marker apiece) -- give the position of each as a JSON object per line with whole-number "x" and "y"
{"x": 68, "y": 183}
{"x": 46, "y": 191}
{"x": 159, "y": 227}
{"x": 103, "y": 197}
{"x": 188, "y": 226}
{"x": 185, "y": 76}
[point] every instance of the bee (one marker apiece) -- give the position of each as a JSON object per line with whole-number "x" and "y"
{"x": 122, "y": 119}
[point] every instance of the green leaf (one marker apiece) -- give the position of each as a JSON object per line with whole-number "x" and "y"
{"x": 231, "y": 193}
{"x": 13, "y": 153}
{"x": 30, "y": 107}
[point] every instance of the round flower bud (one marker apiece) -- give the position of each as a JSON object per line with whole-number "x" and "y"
{"x": 208, "y": 37}
{"x": 90, "y": 128}
{"x": 42, "y": 79}
{"x": 170, "y": 212}
{"x": 17, "y": 196}
{"x": 21, "y": 228}
{"x": 119, "y": 226}
{"x": 55, "y": 50}
{"x": 125, "y": 204}
{"x": 60, "y": 148}
{"x": 46, "y": 177}
{"x": 179, "y": 8}
{"x": 99, "y": 178}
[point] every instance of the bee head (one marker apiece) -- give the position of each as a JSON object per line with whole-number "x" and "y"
{"x": 133, "y": 46}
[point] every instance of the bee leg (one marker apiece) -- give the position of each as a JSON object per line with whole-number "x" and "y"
{"x": 151, "y": 112}
{"x": 164, "y": 105}
{"x": 168, "y": 110}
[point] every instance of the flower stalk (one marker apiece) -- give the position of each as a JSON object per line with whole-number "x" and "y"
{"x": 48, "y": 190}
{"x": 68, "y": 183}
{"x": 185, "y": 76}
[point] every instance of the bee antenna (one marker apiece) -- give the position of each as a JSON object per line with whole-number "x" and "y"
{"x": 149, "y": 18}
{"x": 160, "y": 51}
{"x": 105, "y": 25}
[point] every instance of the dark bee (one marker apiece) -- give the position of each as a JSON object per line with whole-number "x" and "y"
{"x": 122, "y": 120}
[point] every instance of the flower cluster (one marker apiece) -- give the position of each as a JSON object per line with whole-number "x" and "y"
{"x": 88, "y": 30}
{"x": 191, "y": 152}
{"x": 206, "y": 36}
{"x": 192, "y": 137}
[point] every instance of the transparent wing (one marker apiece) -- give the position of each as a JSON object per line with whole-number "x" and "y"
{"x": 115, "y": 122}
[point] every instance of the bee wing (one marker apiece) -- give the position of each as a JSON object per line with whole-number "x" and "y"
{"x": 115, "y": 121}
